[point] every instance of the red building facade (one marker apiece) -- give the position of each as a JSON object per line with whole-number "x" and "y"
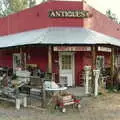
{"x": 70, "y": 59}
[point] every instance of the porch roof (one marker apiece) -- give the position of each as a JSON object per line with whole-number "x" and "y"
{"x": 58, "y": 36}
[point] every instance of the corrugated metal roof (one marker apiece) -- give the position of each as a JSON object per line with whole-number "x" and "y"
{"x": 57, "y": 35}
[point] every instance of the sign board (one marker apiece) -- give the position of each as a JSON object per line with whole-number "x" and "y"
{"x": 104, "y": 49}
{"x": 72, "y": 48}
{"x": 68, "y": 14}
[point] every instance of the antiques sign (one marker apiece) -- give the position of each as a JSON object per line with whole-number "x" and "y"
{"x": 72, "y": 48}
{"x": 68, "y": 14}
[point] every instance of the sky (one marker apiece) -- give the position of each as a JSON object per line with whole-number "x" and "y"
{"x": 103, "y": 5}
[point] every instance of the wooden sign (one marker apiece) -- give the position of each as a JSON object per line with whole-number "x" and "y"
{"x": 72, "y": 48}
{"x": 68, "y": 14}
{"x": 104, "y": 49}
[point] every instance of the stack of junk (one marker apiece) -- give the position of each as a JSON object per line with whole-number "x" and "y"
{"x": 9, "y": 87}
{"x": 11, "y": 84}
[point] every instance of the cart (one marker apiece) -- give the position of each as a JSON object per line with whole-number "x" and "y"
{"x": 65, "y": 100}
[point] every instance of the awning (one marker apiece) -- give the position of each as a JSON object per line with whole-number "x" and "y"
{"x": 58, "y": 36}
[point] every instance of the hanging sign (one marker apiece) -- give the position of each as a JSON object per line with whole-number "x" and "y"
{"x": 72, "y": 48}
{"x": 104, "y": 49}
{"x": 68, "y": 14}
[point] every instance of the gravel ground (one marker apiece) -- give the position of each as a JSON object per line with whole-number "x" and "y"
{"x": 103, "y": 107}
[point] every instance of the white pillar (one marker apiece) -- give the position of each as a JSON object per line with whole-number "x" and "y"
{"x": 96, "y": 73}
{"x": 25, "y": 101}
{"x": 18, "y": 102}
{"x": 87, "y": 82}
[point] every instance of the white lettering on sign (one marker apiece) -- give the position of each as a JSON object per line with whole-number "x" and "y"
{"x": 72, "y": 48}
{"x": 104, "y": 49}
{"x": 68, "y": 14}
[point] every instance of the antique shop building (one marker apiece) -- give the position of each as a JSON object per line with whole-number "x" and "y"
{"x": 60, "y": 37}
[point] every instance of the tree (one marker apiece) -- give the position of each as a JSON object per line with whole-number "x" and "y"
{"x": 4, "y": 8}
{"x": 17, "y": 5}
{"x": 112, "y": 16}
{"x": 32, "y": 3}
{"x": 12, "y": 6}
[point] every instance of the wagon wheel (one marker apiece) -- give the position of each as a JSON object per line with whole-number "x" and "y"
{"x": 78, "y": 106}
{"x": 63, "y": 110}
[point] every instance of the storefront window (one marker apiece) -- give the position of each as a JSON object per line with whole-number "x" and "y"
{"x": 100, "y": 62}
{"x": 66, "y": 61}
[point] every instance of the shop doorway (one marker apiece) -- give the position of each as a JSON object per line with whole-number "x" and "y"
{"x": 66, "y": 68}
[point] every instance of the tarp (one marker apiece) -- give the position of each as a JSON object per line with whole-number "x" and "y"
{"x": 58, "y": 36}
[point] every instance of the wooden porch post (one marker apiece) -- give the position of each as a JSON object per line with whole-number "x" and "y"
{"x": 22, "y": 58}
{"x": 93, "y": 57}
{"x": 112, "y": 65}
{"x": 50, "y": 59}
{"x": 21, "y": 61}
{"x": 93, "y": 66}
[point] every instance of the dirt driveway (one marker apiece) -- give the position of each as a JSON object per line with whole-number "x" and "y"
{"x": 104, "y": 107}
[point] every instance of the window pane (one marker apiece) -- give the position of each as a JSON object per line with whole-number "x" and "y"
{"x": 66, "y": 61}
